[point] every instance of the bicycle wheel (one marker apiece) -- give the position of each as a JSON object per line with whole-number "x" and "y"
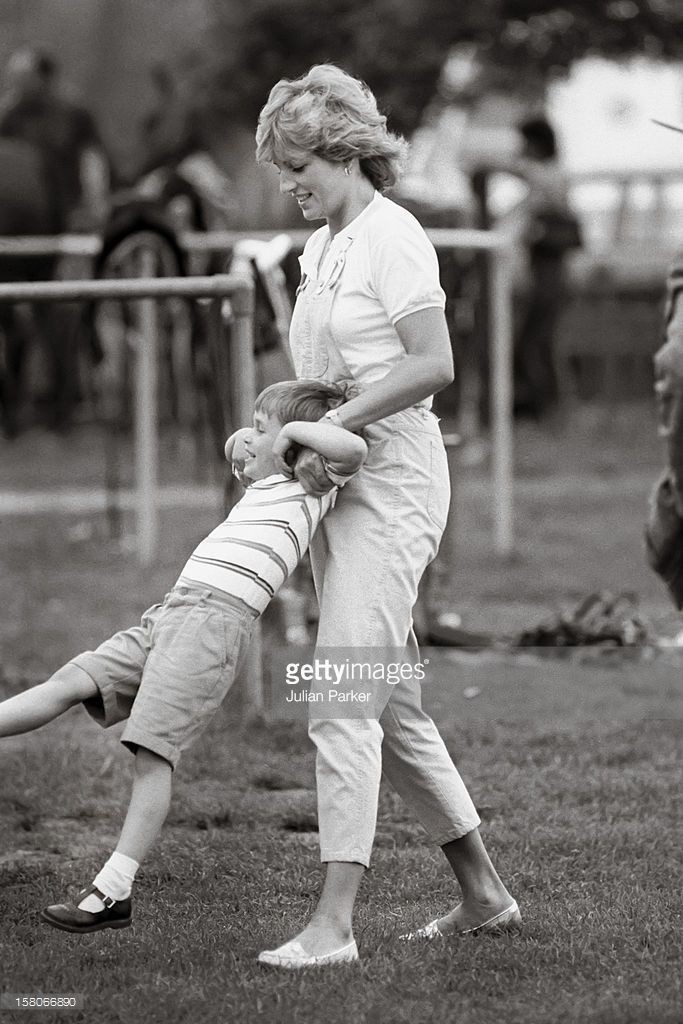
{"x": 150, "y": 251}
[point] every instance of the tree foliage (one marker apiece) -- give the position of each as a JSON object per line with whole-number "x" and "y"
{"x": 399, "y": 46}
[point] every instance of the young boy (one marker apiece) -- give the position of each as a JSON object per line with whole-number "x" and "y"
{"x": 168, "y": 675}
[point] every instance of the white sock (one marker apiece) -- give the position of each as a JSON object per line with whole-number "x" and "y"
{"x": 115, "y": 880}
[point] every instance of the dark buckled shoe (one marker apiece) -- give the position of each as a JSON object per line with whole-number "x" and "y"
{"x": 68, "y": 917}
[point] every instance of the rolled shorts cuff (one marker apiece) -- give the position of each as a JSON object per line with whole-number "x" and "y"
{"x": 345, "y": 857}
{"x": 133, "y": 737}
{"x": 105, "y": 708}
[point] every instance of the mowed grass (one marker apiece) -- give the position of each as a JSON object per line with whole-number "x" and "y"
{"x": 580, "y": 799}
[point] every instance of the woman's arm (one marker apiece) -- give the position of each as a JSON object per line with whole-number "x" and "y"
{"x": 426, "y": 368}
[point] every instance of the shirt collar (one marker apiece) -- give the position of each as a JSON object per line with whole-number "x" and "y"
{"x": 274, "y": 478}
{"x": 310, "y": 259}
{"x": 351, "y": 230}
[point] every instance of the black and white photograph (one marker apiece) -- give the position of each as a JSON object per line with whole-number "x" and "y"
{"x": 341, "y": 511}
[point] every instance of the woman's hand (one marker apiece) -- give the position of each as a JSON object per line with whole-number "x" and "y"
{"x": 426, "y": 368}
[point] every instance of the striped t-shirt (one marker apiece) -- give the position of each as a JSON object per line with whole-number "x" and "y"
{"x": 267, "y": 533}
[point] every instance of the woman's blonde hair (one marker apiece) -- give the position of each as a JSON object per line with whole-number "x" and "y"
{"x": 333, "y": 115}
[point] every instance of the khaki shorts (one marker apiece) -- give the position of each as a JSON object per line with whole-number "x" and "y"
{"x": 168, "y": 676}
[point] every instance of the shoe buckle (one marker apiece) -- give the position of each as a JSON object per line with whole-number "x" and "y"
{"x": 106, "y": 900}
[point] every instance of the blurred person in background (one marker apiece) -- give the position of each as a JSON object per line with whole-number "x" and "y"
{"x": 550, "y": 231}
{"x": 24, "y": 209}
{"x": 38, "y": 111}
{"x": 176, "y": 166}
{"x": 172, "y": 128}
{"x": 541, "y": 230}
{"x": 67, "y": 189}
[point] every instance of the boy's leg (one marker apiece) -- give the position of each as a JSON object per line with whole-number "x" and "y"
{"x": 147, "y": 811}
{"x": 149, "y": 803}
{"x": 29, "y": 710}
{"x": 174, "y": 701}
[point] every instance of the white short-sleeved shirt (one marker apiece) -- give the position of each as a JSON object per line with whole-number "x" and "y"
{"x": 378, "y": 269}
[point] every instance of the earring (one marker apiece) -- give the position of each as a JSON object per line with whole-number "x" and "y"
{"x": 347, "y": 170}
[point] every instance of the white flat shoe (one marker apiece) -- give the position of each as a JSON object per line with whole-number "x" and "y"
{"x": 293, "y": 956}
{"x": 509, "y": 920}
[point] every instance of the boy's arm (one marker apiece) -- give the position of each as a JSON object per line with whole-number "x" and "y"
{"x": 235, "y": 454}
{"x": 344, "y": 452}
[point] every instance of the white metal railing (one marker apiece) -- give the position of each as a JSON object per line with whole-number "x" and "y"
{"x": 238, "y": 287}
{"x": 500, "y": 324}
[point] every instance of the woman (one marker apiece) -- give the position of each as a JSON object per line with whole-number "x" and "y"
{"x": 551, "y": 231}
{"x": 370, "y": 307}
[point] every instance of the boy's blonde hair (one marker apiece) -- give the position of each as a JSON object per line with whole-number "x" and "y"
{"x": 329, "y": 113}
{"x": 290, "y": 400}
{"x": 309, "y": 400}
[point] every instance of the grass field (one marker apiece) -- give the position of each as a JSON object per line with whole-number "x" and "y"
{"x": 574, "y": 763}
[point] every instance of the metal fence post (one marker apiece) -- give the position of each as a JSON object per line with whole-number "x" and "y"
{"x": 243, "y": 376}
{"x": 146, "y": 289}
{"x": 499, "y": 317}
{"x": 146, "y": 426}
{"x": 501, "y": 401}
{"x": 242, "y": 361}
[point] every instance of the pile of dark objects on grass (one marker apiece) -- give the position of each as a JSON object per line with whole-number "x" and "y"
{"x": 600, "y": 619}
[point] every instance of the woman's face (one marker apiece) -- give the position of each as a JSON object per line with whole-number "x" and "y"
{"x": 319, "y": 186}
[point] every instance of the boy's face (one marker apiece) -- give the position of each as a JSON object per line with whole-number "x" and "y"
{"x": 258, "y": 446}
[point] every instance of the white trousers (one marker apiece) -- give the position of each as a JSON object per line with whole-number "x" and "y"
{"x": 368, "y": 557}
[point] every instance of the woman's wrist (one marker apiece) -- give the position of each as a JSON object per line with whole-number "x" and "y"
{"x": 333, "y": 417}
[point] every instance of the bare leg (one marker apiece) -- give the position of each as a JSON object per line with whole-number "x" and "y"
{"x": 148, "y": 807}
{"x": 330, "y": 927}
{"x": 41, "y": 704}
{"x": 484, "y": 895}
{"x": 147, "y": 810}
{"x": 146, "y": 814}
